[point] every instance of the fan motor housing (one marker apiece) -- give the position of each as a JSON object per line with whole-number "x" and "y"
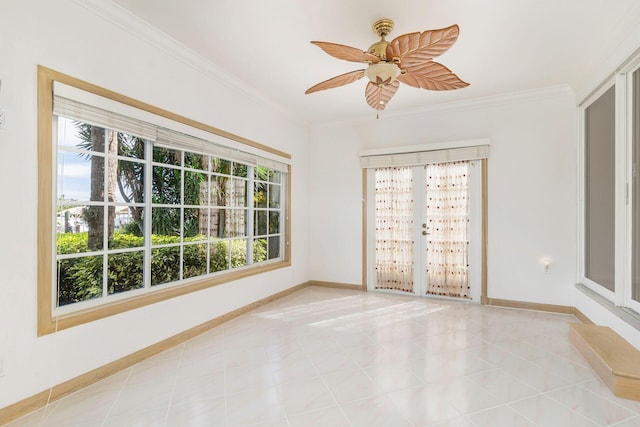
{"x": 379, "y": 49}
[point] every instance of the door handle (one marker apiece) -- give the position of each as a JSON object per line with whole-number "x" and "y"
{"x": 424, "y": 233}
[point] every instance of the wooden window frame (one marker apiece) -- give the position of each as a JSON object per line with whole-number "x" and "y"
{"x": 48, "y": 320}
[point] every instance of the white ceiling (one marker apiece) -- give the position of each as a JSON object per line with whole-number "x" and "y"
{"x": 505, "y": 46}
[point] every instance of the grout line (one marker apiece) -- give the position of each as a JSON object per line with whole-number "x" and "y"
{"x": 175, "y": 382}
{"x": 122, "y": 387}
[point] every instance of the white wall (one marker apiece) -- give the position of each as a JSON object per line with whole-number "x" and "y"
{"x": 70, "y": 38}
{"x": 532, "y": 188}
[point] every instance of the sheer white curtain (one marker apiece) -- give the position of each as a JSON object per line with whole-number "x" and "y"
{"x": 448, "y": 227}
{"x": 394, "y": 228}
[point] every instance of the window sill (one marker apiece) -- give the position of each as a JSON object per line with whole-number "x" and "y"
{"x": 625, "y": 314}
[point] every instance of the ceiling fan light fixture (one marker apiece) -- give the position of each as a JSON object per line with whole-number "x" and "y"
{"x": 382, "y": 70}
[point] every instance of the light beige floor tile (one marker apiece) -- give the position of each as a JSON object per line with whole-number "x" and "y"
{"x": 456, "y": 422}
{"x": 596, "y": 408}
{"x": 632, "y": 422}
{"x": 197, "y": 413}
{"x": 548, "y": 413}
{"x": 392, "y": 377}
{"x": 501, "y": 416}
{"x": 424, "y": 405}
{"x": 141, "y": 418}
{"x": 351, "y": 384}
{"x": 502, "y": 385}
{"x": 327, "y": 417}
{"x": 242, "y": 378}
{"x": 204, "y": 387}
{"x": 374, "y": 412}
{"x": 598, "y": 387}
{"x": 305, "y": 395}
{"x": 254, "y": 406}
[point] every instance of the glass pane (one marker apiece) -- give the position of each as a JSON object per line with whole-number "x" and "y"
{"x": 239, "y": 169}
{"x": 260, "y": 223}
{"x": 274, "y": 247}
{"x": 125, "y": 272}
{"x": 72, "y": 230}
{"x": 228, "y": 222}
{"x": 274, "y": 176}
{"x": 260, "y": 194}
{"x": 600, "y": 190}
{"x": 235, "y": 223}
{"x": 167, "y": 156}
{"x": 238, "y": 253}
{"x": 126, "y": 181}
{"x": 79, "y": 279}
{"x": 216, "y": 223}
{"x": 195, "y": 224}
{"x": 196, "y": 188}
{"x": 80, "y": 135}
{"x": 166, "y": 186}
{"x": 219, "y": 255}
{"x": 93, "y": 217}
{"x": 196, "y": 161}
{"x": 237, "y": 192}
{"x": 274, "y": 196}
{"x": 635, "y": 289}
{"x": 195, "y": 260}
{"x": 80, "y": 177}
{"x": 165, "y": 221}
{"x": 219, "y": 190}
{"x": 261, "y": 173}
{"x": 129, "y": 220}
{"x": 259, "y": 250}
{"x": 165, "y": 265}
{"x": 221, "y": 166}
{"x": 128, "y": 233}
{"x": 130, "y": 146}
{"x": 274, "y": 222}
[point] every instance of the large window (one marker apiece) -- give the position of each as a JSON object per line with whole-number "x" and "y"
{"x": 610, "y": 238}
{"x": 141, "y": 212}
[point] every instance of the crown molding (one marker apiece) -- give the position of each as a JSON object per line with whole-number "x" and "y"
{"x": 126, "y": 20}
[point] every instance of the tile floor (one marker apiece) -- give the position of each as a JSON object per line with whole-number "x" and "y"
{"x": 330, "y": 357}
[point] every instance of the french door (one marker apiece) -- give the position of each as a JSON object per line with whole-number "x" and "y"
{"x": 424, "y": 235}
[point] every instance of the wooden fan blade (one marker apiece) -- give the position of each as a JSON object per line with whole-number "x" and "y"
{"x": 337, "y": 81}
{"x": 378, "y": 95}
{"x": 414, "y": 48}
{"x": 431, "y": 76}
{"x": 347, "y": 53}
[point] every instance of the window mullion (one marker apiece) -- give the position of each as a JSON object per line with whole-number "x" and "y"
{"x": 622, "y": 265}
{"x": 250, "y": 213}
{"x": 105, "y": 215}
{"x": 148, "y": 226}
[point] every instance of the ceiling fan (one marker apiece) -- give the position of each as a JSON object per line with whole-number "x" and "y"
{"x": 406, "y": 59}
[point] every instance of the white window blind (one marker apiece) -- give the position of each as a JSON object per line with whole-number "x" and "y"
{"x": 413, "y": 158}
{"x": 95, "y": 116}
{"x": 86, "y": 107}
{"x": 177, "y": 140}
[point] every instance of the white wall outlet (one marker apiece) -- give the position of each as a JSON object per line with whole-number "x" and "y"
{"x": 3, "y": 119}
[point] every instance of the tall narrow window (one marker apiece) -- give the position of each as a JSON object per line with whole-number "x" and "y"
{"x": 600, "y": 190}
